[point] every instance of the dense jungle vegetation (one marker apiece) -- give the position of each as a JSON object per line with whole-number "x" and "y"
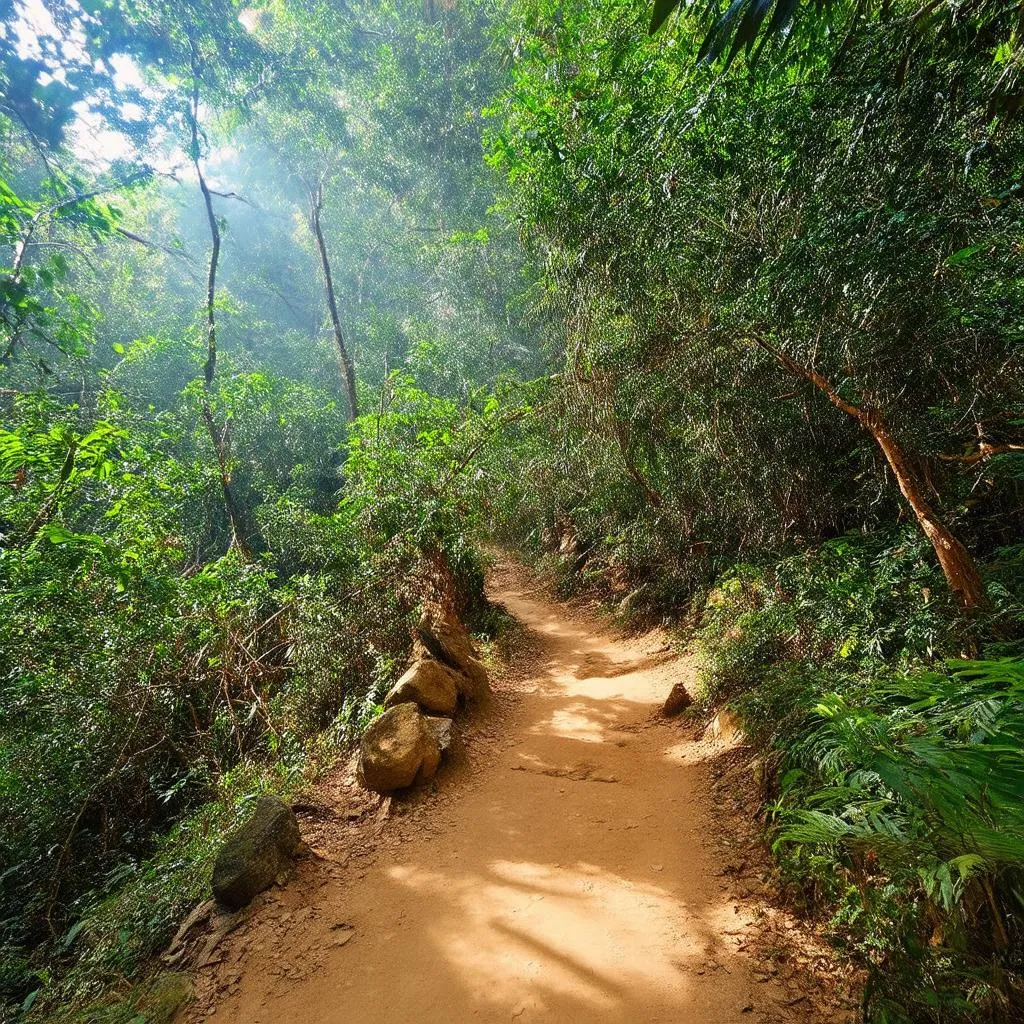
{"x": 717, "y": 309}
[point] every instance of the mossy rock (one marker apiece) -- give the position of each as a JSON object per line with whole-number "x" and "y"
{"x": 255, "y": 854}
{"x": 165, "y": 995}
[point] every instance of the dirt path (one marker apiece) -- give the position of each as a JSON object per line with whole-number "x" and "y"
{"x": 563, "y": 874}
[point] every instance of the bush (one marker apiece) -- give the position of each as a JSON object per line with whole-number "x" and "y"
{"x": 896, "y": 796}
{"x": 151, "y": 682}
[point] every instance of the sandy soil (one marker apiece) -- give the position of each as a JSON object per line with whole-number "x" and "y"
{"x": 566, "y": 867}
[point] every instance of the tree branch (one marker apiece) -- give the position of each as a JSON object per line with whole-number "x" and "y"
{"x": 232, "y": 195}
{"x": 149, "y": 244}
{"x": 984, "y": 451}
{"x": 814, "y": 377}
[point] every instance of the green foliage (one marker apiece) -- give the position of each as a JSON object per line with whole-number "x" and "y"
{"x": 894, "y": 789}
{"x": 783, "y": 300}
{"x": 413, "y": 469}
{"x": 911, "y": 788}
{"x": 855, "y": 603}
{"x": 140, "y": 675}
{"x": 744, "y": 258}
{"x": 154, "y": 674}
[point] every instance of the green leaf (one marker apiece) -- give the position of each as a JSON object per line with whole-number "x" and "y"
{"x": 72, "y": 934}
{"x": 662, "y": 9}
{"x": 963, "y": 255}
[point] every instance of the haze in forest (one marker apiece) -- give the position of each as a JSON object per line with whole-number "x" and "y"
{"x": 334, "y": 333}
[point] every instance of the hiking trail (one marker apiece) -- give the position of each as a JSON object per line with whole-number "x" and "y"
{"x": 563, "y": 871}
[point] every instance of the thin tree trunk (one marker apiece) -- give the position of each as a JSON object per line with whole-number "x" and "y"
{"x": 957, "y": 563}
{"x": 348, "y": 374}
{"x": 220, "y": 447}
{"x": 626, "y": 451}
{"x": 602, "y": 387}
{"x": 217, "y": 437}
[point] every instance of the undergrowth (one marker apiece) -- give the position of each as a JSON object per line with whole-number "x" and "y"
{"x": 147, "y": 696}
{"x": 894, "y": 729}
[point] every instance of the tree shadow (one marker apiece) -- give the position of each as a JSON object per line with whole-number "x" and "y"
{"x": 567, "y": 880}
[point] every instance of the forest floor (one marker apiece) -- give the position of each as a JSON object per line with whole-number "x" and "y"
{"x": 580, "y": 859}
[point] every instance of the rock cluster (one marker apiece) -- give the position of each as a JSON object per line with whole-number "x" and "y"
{"x": 440, "y": 635}
{"x": 404, "y": 746}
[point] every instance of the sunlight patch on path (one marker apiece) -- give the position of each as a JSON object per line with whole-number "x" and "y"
{"x": 558, "y": 933}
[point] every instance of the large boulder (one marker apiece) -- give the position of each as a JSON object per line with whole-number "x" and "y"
{"x": 397, "y": 750}
{"x": 255, "y": 853}
{"x": 428, "y": 683}
{"x": 446, "y": 639}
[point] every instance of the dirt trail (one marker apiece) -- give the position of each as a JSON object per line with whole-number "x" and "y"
{"x": 563, "y": 874}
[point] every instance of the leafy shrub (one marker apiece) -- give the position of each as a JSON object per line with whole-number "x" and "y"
{"x": 897, "y": 776}
{"x": 908, "y": 792}
{"x": 855, "y": 603}
{"x": 151, "y": 682}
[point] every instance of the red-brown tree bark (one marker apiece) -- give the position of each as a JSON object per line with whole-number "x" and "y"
{"x": 958, "y": 565}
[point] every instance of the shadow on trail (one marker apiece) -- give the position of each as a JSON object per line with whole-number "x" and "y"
{"x": 568, "y": 882}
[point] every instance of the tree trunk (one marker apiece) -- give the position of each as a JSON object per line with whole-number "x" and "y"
{"x": 603, "y": 389}
{"x": 348, "y": 374}
{"x": 956, "y": 561}
{"x": 652, "y": 495}
{"x": 220, "y": 448}
{"x": 218, "y": 438}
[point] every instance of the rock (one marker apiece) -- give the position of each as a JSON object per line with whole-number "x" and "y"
{"x": 397, "y": 750}
{"x": 724, "y": 726}
{"x": 629, "y": 603}
{"x": 428, "y": 683}
{"x": 444, "y": 636}
{"x": 678, "y": 700}
{"x": 223, "y": 925}
{"x": 177, "y": 948}
{"x": 762, "y": 771}
{"x": 164, "y": 996}
{"x": 256, "y": 853}
{"x": 442, "y": 731}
